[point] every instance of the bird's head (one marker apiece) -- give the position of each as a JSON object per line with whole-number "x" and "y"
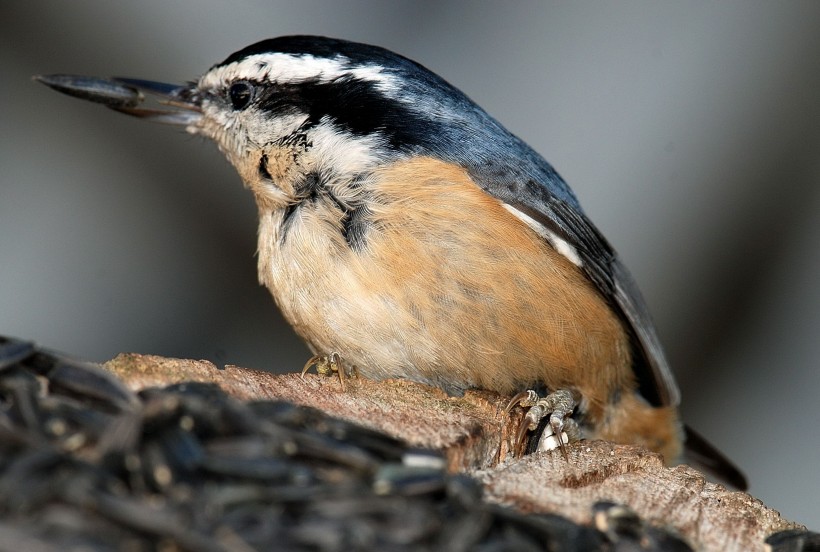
{"x": 292, "y": 106}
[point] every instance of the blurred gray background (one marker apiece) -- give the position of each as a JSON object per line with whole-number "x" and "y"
{"x": 690, "y": 132}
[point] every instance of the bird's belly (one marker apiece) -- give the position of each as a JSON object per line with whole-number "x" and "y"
{"x": 447, "y": 288}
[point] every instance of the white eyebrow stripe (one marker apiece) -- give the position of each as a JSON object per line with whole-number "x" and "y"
{"x": 561, "y": 245}
{"x": 281, "y": 68}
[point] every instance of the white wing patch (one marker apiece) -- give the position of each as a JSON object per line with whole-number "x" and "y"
{"x": 561, "y": 245}
{"x": 291, "y": 68}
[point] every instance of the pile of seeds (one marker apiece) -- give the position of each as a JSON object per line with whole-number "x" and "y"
{"x": 86, "y": 464}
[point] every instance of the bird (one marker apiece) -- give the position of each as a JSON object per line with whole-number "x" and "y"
{"x": 405, "y": 232}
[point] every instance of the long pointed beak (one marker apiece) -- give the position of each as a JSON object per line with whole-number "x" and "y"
{"x": 182, "y": 104}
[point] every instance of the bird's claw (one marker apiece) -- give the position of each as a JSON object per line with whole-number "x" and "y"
{"x": 561, "y": 429}
{"x": 327, "y": 365}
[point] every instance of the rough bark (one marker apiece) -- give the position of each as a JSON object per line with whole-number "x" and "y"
{"x": 472, "y": 432}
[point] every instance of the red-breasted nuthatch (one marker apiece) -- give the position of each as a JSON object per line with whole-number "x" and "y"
{"x": 405, "y": 229}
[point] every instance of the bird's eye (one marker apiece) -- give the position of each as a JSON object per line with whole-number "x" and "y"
{"x": 241, "y": 94}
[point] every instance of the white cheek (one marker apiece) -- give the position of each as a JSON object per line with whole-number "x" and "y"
{"x": 342, "y": 153}
{"x": 266, "y": 128}
{"x": 239, "y": 133}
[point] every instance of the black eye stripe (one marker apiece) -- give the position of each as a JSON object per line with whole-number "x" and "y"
{"x": 241, "y": 94}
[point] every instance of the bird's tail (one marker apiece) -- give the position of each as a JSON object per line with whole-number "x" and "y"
{"x": 701, "y": 454}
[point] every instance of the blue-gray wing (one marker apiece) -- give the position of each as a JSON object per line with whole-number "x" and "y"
{"x": 458, "y": 131}
{"x": 536, "y": 190}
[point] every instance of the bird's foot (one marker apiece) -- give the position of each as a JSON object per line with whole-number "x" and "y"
{"x": 327, "y": 365}
{"x": 561, "y": 429}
